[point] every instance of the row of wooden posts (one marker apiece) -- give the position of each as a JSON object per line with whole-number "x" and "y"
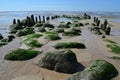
{"x": 32, "y": 20}
{"x": 103, "y": 26}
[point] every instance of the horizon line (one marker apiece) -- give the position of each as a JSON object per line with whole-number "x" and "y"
{"x": 54, "y": 11}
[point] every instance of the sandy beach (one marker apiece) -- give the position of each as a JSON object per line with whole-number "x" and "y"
{"x": 28, "y": 70}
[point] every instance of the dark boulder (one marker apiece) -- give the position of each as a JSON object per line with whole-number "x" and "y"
{"x": 25, "y": 31}
{"x": 61, "y": 61}
{"x": 41, "y": 29}
{"x": 69, "y": 45}
{"x": 2, "y": 43}
{"x": 25, "y": 22}
{"x": 98, "y": 70}
{"x": 72, "y": 32}
{"x": 10, "y": 38}
{"x": 14, "y": 27}
{"x": 59, "y": 30}
{"x": 38, "y": 25}
{"x": 52, "y": 37}
{"x": 6, "y": 40}
{"x": 48, "y": 25}
{"x": 63, "y": 26}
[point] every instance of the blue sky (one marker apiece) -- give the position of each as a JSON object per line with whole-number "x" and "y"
{"x": 60, "y": 5}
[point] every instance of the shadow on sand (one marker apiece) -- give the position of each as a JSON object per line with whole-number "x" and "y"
{"x": 80, "y": 67}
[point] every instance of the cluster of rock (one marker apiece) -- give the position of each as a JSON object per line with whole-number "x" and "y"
{"x": 65, "y": 61}
{"x": 61, "y": 60}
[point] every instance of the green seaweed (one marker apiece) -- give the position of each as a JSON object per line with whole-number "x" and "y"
{"x": 21, "y": 54}
{"x": 69, "y": 45}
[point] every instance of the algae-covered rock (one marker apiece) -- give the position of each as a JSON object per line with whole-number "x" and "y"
{"x": 59, "y": 30}
{"x": 98, "y": 70}
{"x": 10, "y": 37}
{"x": 25, "y": 31}
{"x": 25, "y": 22}
{"x": 63, "y": 26}
{"x": 69, "y": 45}
{"x": 41, "y": 29}
{"x": 2, "y": 43}
{"x": 68, "y": 23}
{"x": 14, "y": 27}
{"x": 77, "y": 24}
{"x": 52, "y": 37}
{"x": 32, "y": 43}
{"x": 48, "y": 25}
{"x": 21, "y": 54}
{"x": 38, "y": 25}
{"x": 6, "y": 40}
{"x": 61, "y": 61}
{"x": 72, "y": 32}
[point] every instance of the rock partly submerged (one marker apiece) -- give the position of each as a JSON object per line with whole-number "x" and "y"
{"x": 98, "y": 70}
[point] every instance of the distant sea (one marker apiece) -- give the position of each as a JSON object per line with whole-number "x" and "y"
{"x": 6, "y": 17}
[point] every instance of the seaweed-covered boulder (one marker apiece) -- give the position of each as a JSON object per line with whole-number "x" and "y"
{"x": 68, "y": 23}
{"x": 6, "y": 40}
{"x": 41, "y": 29}
{"x": 81, "y": 24}
{"x": 25, "y": 22}
{"x": 32, "y": 43}
{"x": 103, "y": 36}
{"x": 98, "y": 70}
{"x": 69, "y": 45}
{"x": 38, "y": 25}
{"x": 63, "y": 26}
{"x": 61, "y": 61}
{"x": 2, "y": 43}
{"x": 25, "y": 31}
{"x": 76, "y": 30}
{"x": 21, "y": 54}
{"x": 14, "y": 27}
{"x": 48, "y": 25}
{"x": 31, "y": 40}
{"x": 72, "y": 32}
{"x": 52, "y": 37}
{"x": 1, "y": 37}
{"x": 87, "y": 24}
{"x": 10, "y": 37}
{"x": 78, "y": 24}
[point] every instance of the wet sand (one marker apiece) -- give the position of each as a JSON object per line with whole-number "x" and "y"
{"x": 28, "y": 70}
